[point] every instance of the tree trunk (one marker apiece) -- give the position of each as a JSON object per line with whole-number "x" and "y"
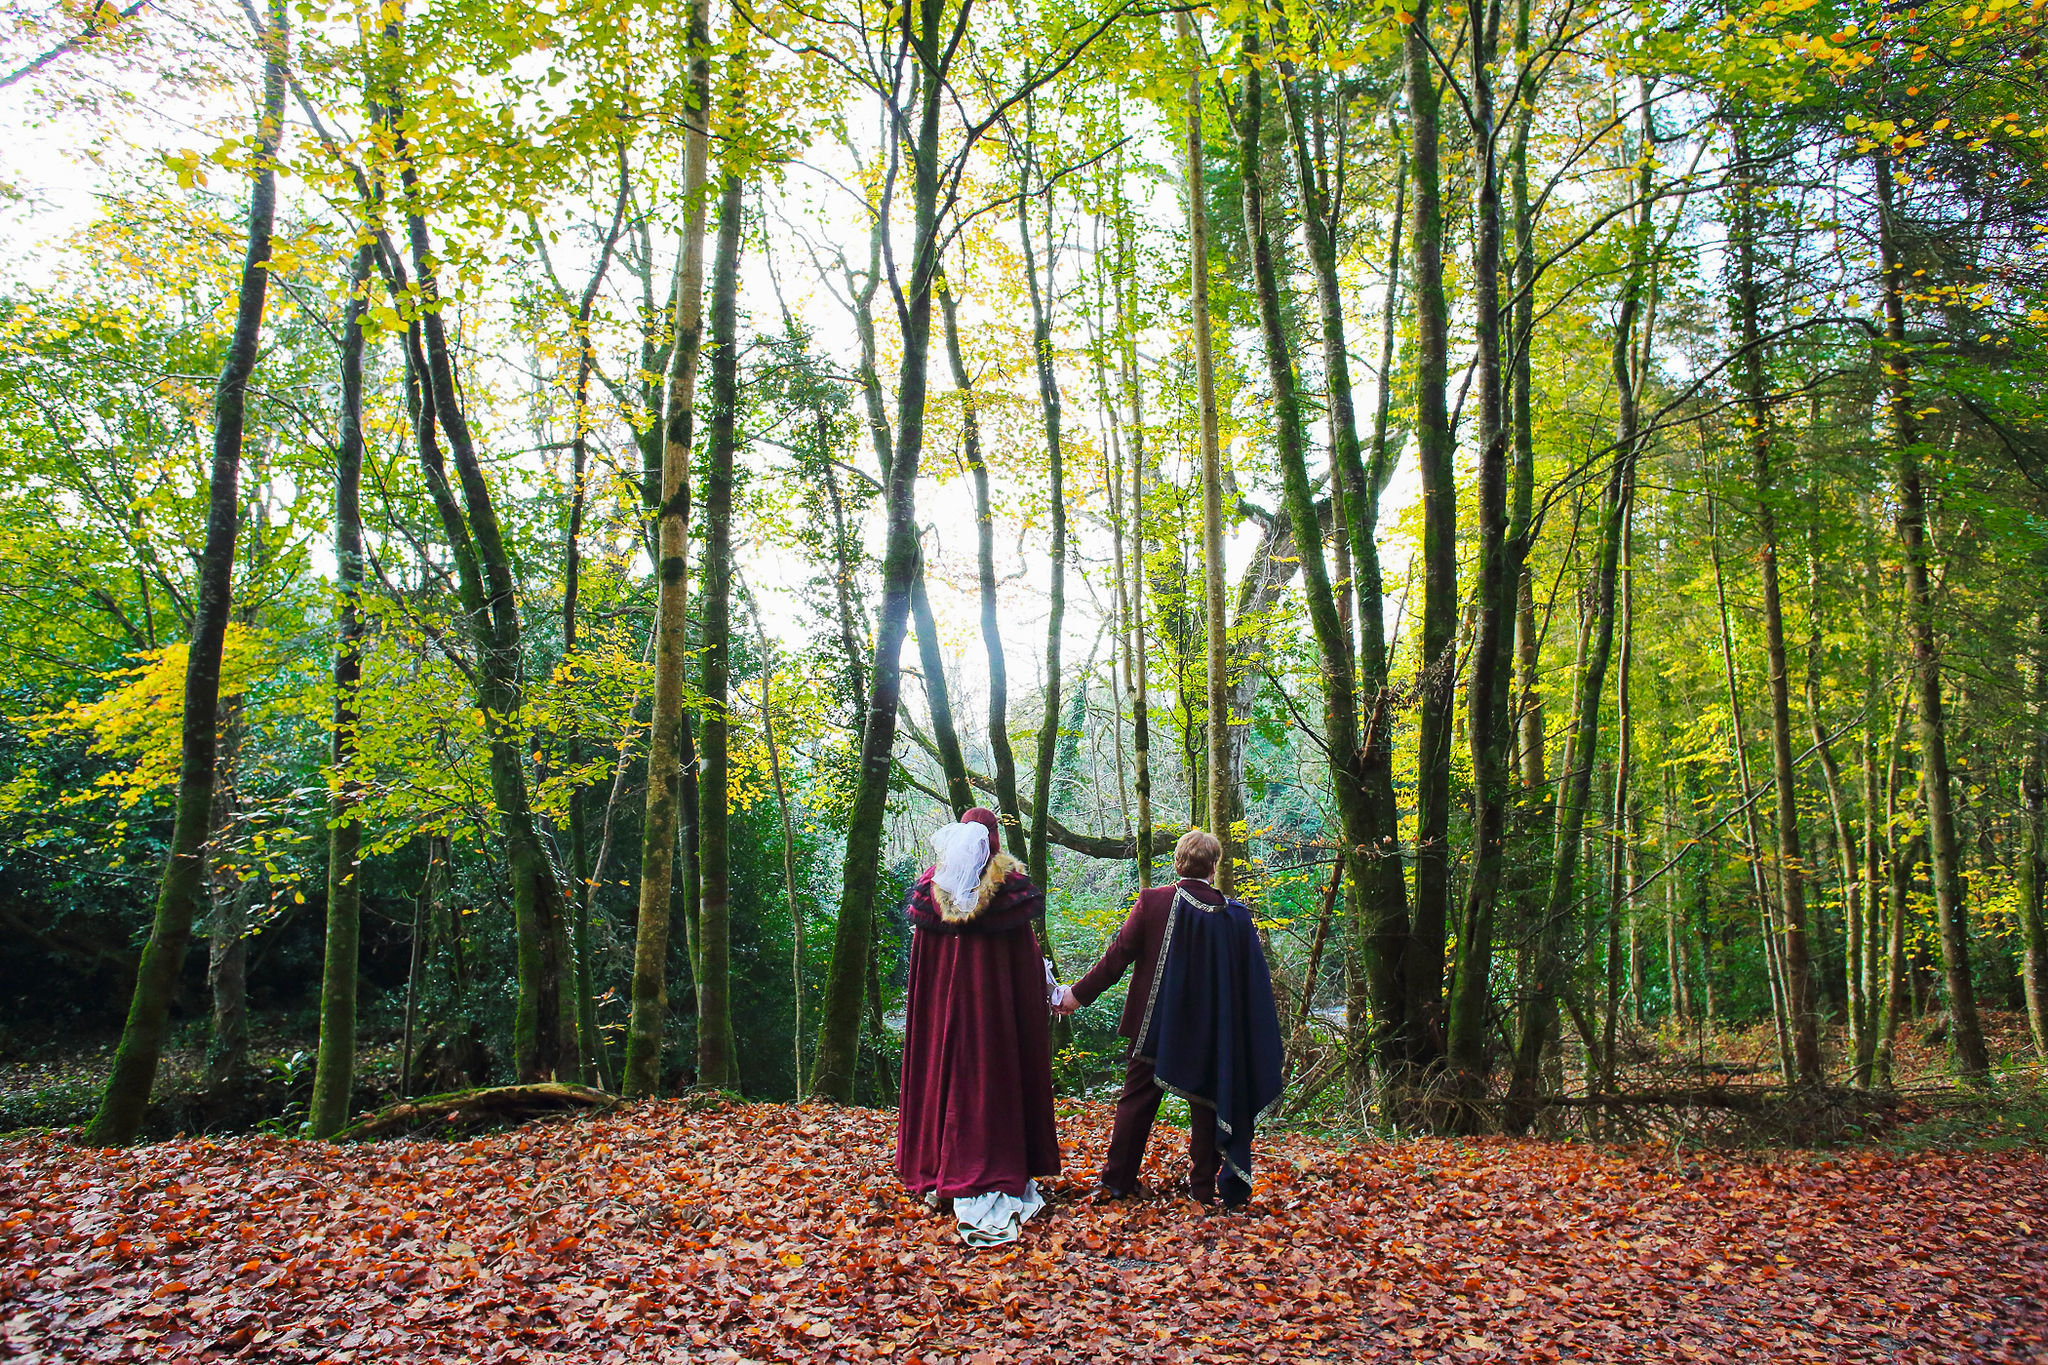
{"x": 1136, "y": 652}
{"x": 1620, "y": 891}
{"x": 1846, "y": 844}
{"x": 1876, "y": 829}
{"x": 582, "y": 886}
{"x": 1340, "y": 699}
{"x": 119, "y": 1117}
{"x": 1487, "y": 693}
{"x": 1899, "y": 879}
{"x": 833, "y": 1070}
{"x": 1966, "y": 1034}
{"x": 1803, "y": 1016}
{"x": 1548, "y": 970}
{"x": 1213, "y": 569}
{"x": 1039, "y": 850}
{"x": 938, "y": 695}
{"x": 2034, "y": 856}
{"x": 647, "y": 1026}
{"x": 544, "y": 1018}
{"x": 931, "y": 659}
{"x": 1435, "y": 448}
{"x": 1376, "y": 890}
{"x": 991, "y": 621}
{"x": 334, "y": 1069}
{"x": 1530, "y": 740}
{"x": 227, "y": 957}
{"x": 717, "y": 1056}
{"x": 1753, "y": 847}
{"x": 796, "y": 909}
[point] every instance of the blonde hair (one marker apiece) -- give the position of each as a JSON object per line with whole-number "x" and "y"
{"x": 1196, "y": 854}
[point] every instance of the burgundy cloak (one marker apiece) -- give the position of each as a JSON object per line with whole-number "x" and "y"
{"x": 976, "y": 1112}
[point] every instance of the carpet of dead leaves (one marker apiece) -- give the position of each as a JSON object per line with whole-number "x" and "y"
{"x": 663, "y": 1233}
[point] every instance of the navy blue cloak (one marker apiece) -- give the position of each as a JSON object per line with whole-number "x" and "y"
{"x": 1211, "y": 1030}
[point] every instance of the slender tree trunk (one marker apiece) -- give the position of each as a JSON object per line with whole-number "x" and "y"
{"x": 1113, "y": 480}
{"x": 1213, "y": 570}
{"x": 544, "y": 1018}
{"x": 119, "y": 1117}
{"x": 416, "y": 956}
{"x": 1136, "y": 657}
{"x": 1944, "y": 856}
{"x": 647, "y": 1026}
{"x": 1898, "y": 877}
{"x": 938, "y": 696}
{"x": 1434, "y": 451}
{"x": 991, "y": 620}
{"x": 1548, "y": 970}
{"x": 2034, "y": 856}
{"x": 1340, "y": 702}
{"x": 1039, "y": 861}
{"x": 227, "y": 957}
{"x": 1800, "y": 1005}
{"x": 1487, "y": 693}
{"x": 931, "y": 659}
{"x": 1753, "y": 848}
{"x": 833, "y": 1070}
{"x": 717, "y": 1055}
{"x": 1620, "y": 893}
{"x": 1847, "y": 847}
{"x": 789, "y": 889}
{"x": 1376, "y": 890}
{"x": 1876, "y": 816}
{"x": 584, "y": 891}
{"x": 334, "y": 1069}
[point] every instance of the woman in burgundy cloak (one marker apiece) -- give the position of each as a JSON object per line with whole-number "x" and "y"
{"x": 976, "y": 1123}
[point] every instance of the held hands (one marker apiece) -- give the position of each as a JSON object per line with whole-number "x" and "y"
{"x": 1059, "y": 998}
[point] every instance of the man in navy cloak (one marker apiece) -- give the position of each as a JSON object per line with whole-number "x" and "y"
{"x": 976, "y": 1124}
{"x": 1202, "y": 1024}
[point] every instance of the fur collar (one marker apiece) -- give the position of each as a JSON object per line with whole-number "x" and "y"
{"x": 992, "y": 876}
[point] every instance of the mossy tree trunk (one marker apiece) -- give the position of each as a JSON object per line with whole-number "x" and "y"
{"x": 1434, "y": 451}
{"x": 834, "y": 1068}
{"x": 1376, "y": 892}
{"x": 1944, "y": 854}
{"x": 1215, "y": 622}
{"x": 544, "y": 1019}
{"x": 126, "y": 1095}
{"x": 647, "y": 1028}
{"x": 717, "y": 1057}
{"x": 334, "y": 1067}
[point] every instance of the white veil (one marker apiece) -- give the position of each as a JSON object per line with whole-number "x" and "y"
{"x": 963, "y": 853}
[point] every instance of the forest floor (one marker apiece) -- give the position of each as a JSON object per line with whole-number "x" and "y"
{"x": 673, "y": 1231}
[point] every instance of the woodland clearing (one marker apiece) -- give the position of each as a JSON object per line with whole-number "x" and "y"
{"x": 672, "y": 1231}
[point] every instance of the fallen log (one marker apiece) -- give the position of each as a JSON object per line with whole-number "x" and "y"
{"x": 465, "y": 1109}
{"x": 1745, "y": 1098}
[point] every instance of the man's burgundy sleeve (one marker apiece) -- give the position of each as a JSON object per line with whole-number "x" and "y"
{"x": 1122, "y": 952}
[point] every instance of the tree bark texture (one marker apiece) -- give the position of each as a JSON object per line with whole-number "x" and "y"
{"x": 1216, "y": 624}
{"x": 1434, "y": 450}
{"x": 1966, "y": 1034}
{"x": 647, "y": 1025}
{"x": 717, "y": 1054}
{"x": 1487, "y": 691}
{"x": 833, "y": 1069}
{"x": 1800, "y": 1006}
{"x": 1376, "y": 893}
{"x": 985, "y": 560}
{"x": 119, "y": 1116}
{"x": 334, "y": 1065}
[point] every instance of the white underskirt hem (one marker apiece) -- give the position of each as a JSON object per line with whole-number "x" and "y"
{"x": 996, "y": 1219}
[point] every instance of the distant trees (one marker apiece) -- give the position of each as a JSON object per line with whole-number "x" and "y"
{"x": 1689, "y": 672}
